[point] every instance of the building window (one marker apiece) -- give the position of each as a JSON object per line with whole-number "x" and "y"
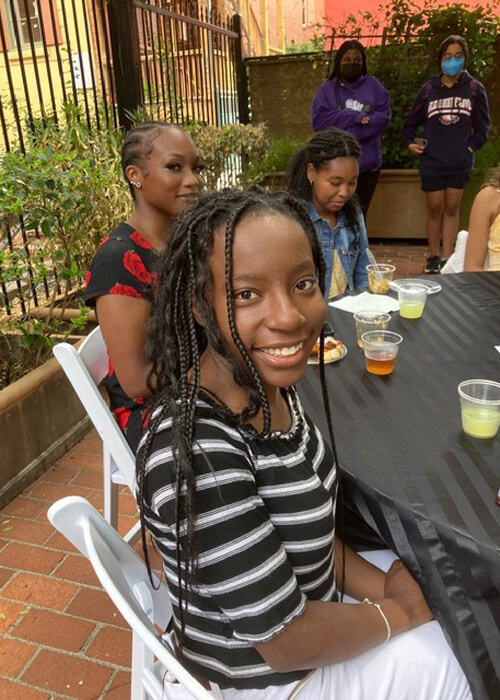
{"x": 24, "y": 14}
{"x": 304, "y": 13}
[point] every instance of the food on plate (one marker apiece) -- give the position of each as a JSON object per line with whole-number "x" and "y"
{"x": 333, "y": 350}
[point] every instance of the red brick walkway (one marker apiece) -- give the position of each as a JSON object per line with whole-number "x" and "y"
{"x": 408, "y": 259}
{"x": 61, "y": 637}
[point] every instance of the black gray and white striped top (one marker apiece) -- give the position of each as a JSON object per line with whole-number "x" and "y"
{"x": 264, "y": 539}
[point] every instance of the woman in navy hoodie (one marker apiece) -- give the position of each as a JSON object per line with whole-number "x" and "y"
{"x": 358, "y": 103}
{"x": 453, "y": 109}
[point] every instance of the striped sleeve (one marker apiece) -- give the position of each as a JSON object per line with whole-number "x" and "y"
{"x": 242, "y": 566}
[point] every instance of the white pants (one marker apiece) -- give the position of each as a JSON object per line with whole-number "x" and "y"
{"x": 415, "y": 665}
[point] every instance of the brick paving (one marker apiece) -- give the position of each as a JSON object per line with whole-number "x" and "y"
{"x": 61, "y": 637}
{"x": 408, "y": 259}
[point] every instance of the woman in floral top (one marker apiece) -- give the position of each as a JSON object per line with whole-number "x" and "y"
{"x": 162, "y": 167}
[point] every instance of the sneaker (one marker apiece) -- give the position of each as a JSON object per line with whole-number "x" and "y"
{"x": 443, "y": 263}
{"x": 433, "y": 265}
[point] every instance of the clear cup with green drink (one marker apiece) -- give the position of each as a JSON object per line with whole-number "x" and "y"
{"x": 412, "y": 297}
{"x": 480, "y": 404}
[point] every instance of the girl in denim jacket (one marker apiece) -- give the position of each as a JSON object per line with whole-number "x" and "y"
{"x": 324, "y": 174}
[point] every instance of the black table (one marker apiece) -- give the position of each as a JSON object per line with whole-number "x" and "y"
{"x": 426, "y": 488}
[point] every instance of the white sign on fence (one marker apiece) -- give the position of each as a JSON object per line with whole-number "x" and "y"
{"x": 80, "y": 63}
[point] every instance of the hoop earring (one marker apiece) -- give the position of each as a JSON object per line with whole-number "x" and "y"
{"x": 136, "y": 184}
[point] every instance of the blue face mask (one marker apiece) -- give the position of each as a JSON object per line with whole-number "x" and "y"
{"x": 453, "y": 66}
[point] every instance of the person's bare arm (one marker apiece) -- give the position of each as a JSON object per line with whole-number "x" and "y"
{"x": 123, "y": 321}
{"x": 485, "y": 207}
{"x": 362, "y": 579}
{"x": 329, "y": 633}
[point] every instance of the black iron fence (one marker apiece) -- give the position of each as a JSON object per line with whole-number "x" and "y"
{"x": 188, "y": 62}
{"x": 177, "y": 59}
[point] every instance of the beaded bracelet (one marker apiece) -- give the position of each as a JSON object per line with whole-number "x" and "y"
{"x": 377, "y": 605}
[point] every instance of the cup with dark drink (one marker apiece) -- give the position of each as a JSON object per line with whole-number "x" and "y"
{"x": 381, "y": 348}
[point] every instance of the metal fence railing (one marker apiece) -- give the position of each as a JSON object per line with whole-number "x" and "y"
{"x": 188, "y": 66}
{"x": 175, "y": 58}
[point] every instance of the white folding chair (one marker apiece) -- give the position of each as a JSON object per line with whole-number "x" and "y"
{"x": 124, "y": 576}
{"x": 85, "y": 369}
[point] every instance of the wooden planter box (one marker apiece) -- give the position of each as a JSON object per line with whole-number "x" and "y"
{"x": 41, "y": 418}
{"x": 398, "y": 206}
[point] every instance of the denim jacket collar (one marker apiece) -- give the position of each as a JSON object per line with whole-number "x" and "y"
{"x": 349, "y": 245}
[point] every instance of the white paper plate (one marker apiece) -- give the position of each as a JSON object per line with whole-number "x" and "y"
{"x": 334, "y": 359}
{"x": 434, "y": 287}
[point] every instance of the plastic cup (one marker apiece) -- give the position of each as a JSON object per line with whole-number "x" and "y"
{"x": 412, "y": 298}
{"x": 381, "y": 348}
{"x": 480, "y": 403}
{"x": 370, "y": 321}
{"x": 379, "y": 278}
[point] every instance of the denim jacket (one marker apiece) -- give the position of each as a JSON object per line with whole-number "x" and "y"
{"x": 350, "y": 246}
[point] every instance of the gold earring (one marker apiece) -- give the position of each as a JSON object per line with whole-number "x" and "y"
{"x": 137, "y": 184}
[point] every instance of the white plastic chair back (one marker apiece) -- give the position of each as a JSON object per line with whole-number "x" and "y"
{"x": 124, "y": 576}
{"x": 455, "y": 262}
{"x": 85, "y": 369}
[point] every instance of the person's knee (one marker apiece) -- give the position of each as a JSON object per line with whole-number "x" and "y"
{"x": 435, "y": 211}
{"x": 451, "y": 209}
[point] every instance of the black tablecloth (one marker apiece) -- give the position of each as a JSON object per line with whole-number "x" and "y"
{"x": 423, "y": 485}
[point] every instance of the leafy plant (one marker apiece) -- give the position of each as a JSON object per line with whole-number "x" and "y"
{"x": 65, "y": 193}
{"x": 276, "y": 159}
{"x": 226, "y": 149}
{"x": 312, "y": 46}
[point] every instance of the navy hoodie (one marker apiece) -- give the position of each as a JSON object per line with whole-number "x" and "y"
{"x": 454, "y": 118}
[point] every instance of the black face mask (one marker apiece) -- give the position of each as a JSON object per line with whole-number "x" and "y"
{"x": 350, "y": 72}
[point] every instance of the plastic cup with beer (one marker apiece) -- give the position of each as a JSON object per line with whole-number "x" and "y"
{"x": 381, "y": 348}
{"x": 370, "y": 321}
{"x": 379, "y": 277}
{"x": 480, "y": 404}
{"x": 412, "y": 297}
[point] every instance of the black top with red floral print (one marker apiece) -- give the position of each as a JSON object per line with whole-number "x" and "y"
{"x": 124, "y": 264}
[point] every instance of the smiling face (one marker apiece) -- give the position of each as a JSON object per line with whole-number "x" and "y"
{"x": 170, "y": 178}
{"x": 278, "y": 306}
{"x": 333, "y": 184}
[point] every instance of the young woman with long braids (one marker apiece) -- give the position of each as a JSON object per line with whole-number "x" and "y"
{"x": 357, "y": 102}
{"x": 239, "y": 490}
{"x": 324, "y": 174}
{"x": 162, "y": 167}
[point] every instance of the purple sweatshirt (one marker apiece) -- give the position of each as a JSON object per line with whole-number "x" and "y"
{"x": 344, "y": 105}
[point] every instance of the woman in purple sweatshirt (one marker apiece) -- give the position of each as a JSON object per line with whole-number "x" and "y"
{"x": 453, "y": 109}
{"x": 356, "y": 102}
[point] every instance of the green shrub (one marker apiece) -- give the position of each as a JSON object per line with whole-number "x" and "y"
{"x": 68, "y": 192}
{"x": 218, "y": 144}
{"x": 276, "y": 159}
